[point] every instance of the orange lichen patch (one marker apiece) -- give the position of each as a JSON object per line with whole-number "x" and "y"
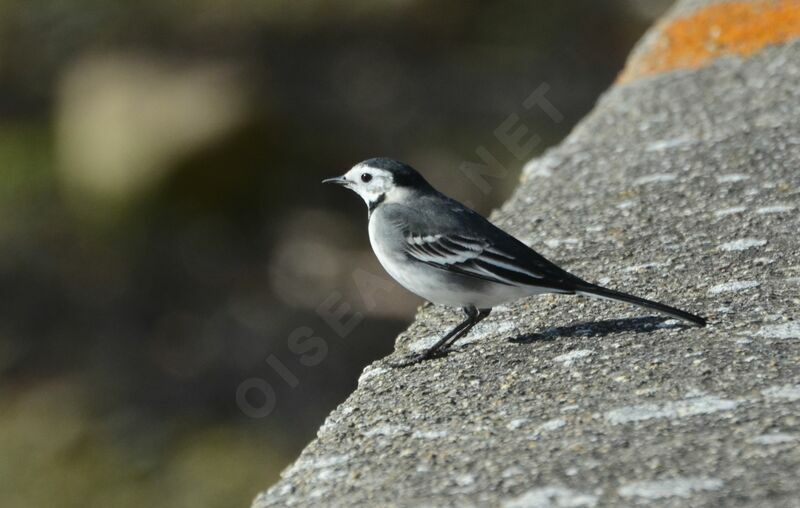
{"x": 730, "y": 28}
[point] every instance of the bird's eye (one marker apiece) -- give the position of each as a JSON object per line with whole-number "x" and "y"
{"x": 366, "y": 177}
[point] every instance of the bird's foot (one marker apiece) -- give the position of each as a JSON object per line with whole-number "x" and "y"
{"x": 415, "y": 358}
{"x": 407, "y": 360}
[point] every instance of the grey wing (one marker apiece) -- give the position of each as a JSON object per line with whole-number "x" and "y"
{"x": 472, "y": 257}
{"x": 464, "y": 242}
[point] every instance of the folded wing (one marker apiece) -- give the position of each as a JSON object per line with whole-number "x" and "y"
{"x": 472, "y": 257}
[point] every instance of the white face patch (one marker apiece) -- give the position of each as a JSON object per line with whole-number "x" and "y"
{"x": 369, "y": 183}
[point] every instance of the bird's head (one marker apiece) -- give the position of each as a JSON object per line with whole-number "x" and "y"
{"x": 380, "y": 179}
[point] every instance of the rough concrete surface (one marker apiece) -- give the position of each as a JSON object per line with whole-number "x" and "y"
{"x": 683, "y": 187}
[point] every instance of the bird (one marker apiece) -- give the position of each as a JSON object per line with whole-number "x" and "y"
{"x": 448, "y": 254}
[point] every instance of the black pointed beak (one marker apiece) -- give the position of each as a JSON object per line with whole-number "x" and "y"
{"x": 339, "y": 180}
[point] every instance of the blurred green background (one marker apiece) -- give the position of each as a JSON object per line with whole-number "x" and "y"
{"x": 163, "y": 229}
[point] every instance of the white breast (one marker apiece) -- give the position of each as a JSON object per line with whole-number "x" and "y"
{"x": 394, "y": 263}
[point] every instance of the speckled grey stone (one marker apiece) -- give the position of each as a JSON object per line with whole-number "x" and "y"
{"x": 573, "y": 402}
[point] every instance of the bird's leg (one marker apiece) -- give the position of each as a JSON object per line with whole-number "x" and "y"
{"x": 477, "y": 316}
{"x": 453, "y": 334}
{"x": 473, "y": 317}
{"x": 418, "y": 357}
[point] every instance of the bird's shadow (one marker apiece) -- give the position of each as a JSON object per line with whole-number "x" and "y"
{"x": 601, "y": 329}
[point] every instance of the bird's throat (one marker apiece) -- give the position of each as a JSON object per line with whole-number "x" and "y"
{"x": 374, "y": 203}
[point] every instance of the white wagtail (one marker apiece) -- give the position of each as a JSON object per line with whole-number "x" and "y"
{"x": 448, "y": 254}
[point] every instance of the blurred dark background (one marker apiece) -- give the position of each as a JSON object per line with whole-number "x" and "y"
{"x": 163, "y": 231}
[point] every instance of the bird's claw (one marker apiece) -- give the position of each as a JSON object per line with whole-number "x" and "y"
{"x": 408, "y": 360}
{"x": 415, "y": 358}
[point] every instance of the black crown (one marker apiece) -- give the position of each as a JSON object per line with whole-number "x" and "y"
{"x": 403, "y": 175}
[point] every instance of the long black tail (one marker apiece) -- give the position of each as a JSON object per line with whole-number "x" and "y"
{"x": 610, "y": 294}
